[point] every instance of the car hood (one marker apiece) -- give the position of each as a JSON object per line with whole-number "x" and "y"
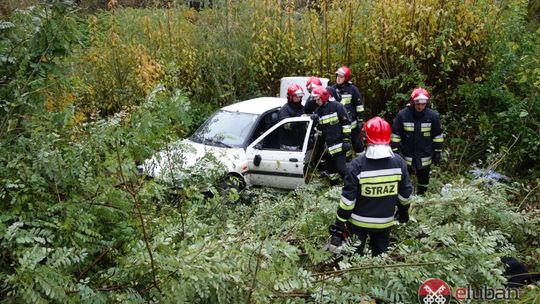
{"x": 184, "y": 158}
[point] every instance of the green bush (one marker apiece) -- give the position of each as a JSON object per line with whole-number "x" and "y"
{"x": 500, "y": 115}
{"x": 70, "y": 197}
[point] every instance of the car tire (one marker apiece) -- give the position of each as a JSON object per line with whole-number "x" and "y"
{"x": 228, "y": 183}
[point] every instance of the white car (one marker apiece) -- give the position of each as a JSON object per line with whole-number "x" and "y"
{"x": 245, "y": 138}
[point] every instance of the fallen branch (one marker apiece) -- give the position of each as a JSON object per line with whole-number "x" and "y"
{"x": 292, "y": 294}
{"x": 335, "y": 273}
{"x": 254, "y": 280}
{"x": 528, "y": 194}
{"x": 96, "y": 260}
{"x": 130, "y": 189}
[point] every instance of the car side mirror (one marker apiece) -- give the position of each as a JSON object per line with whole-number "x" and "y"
{"x": 257, "y": 160}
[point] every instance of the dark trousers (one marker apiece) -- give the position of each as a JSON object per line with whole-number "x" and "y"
{"x": 379, "y": 240}
{"x": 422, "y": 175}
{"x": 356, "y": 140}
{"x": 336, "y": 164}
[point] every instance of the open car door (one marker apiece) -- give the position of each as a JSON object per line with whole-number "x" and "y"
{"x": 278, "y": 157}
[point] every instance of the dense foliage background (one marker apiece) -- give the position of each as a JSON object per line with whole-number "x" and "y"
{"x": 90, "y": 89}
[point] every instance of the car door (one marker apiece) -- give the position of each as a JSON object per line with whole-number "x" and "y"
{"x": 277, "y": 158}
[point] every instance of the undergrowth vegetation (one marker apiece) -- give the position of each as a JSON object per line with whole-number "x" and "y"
{"x": 84, "y": 99}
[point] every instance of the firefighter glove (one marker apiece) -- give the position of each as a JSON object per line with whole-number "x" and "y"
{"x": 288, "y": 126}
{"x": 314, "y": 117}
{"x": 403, "y": 213}
{"x": 346, "y": 146}
{"x": 337, "y": 234}
{"x": 437, "y": 158}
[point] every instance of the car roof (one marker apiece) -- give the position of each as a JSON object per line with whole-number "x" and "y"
{"x": 256, "y": 105}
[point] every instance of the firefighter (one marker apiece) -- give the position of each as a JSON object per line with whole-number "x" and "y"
{"x": 311, "y": 83}
{"x": 377, "y": 183}
{"x": 289, "y": 137}
{"x": 349, "y": 95}
{"x": 417, "y": 134}
{"x": 334, "y": 124}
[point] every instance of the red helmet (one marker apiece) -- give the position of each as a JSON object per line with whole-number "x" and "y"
{"x": 294, "y": 89}
{"x": 345, "y": 72}
{"x": 321, "y": 92}
{"x": 313, "y": 82}
{"x": 377, "y": 131}
{"x": 420, "y": 95}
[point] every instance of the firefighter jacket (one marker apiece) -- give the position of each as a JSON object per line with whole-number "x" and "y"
{"x": 290, "y": 136}
{"x": 349, "y": 95}
{"x": 372, "y": 190}
{"x": 310, "y": 106}
{"x": 417, "y": 135}
{"x": 335, "y": 125}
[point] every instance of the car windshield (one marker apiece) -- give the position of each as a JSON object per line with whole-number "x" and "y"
{"x": 225, "y": 129}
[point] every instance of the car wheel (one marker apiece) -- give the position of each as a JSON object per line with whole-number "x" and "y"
{"x": 230, "y": 186}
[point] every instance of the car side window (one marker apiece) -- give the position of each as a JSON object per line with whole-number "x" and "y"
{"x": 288, "y": 137}
{"x": 265, "y": 123}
